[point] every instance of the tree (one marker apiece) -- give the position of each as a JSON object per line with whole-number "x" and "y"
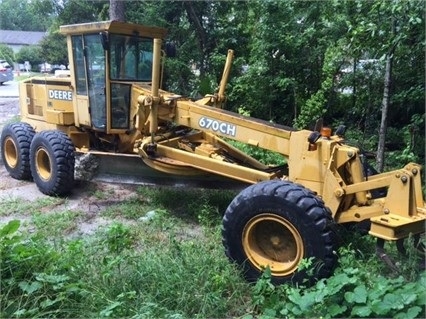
{"x": 6, "y": 53}
{"x": 287, "y": 45}
{"x": 172, "y": 16}
{"x": 31, "y": 53}
{"x": 80, "y": 11}
{"x": 117, "y": 10}
{"x": 318, "y": 103}
{"x": 291, "y": 59}
{"x": 26, "y": 15}
{"x": 382, "y": 29}
{"x": 53, "y": 48}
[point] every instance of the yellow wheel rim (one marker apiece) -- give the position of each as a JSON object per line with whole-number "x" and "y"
{"x": 43, "y": 164}
{"x": 10, "y": 152}
{"x": 271, "y": 240}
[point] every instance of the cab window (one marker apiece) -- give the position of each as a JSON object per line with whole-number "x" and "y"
{"x": 130, "y": 58}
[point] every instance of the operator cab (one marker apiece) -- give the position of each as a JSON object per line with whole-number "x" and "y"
{"x": 106, "y": 59}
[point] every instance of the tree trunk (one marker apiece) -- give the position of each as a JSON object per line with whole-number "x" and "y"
{"x": 380, "y": 157}
{"x": 117, "y": 10}
{"x": 195, "y": 21}
{"x": 385, "y": 109}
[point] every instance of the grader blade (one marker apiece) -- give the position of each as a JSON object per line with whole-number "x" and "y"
{"x": 130, "y": 169}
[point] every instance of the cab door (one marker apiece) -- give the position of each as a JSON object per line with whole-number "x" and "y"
{"x": 89, "y": 75}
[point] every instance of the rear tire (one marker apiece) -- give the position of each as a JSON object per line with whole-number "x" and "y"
{"x": 52, "y": 162}
{"x": 15, "y": 149}
{"x": 278, "y": 224}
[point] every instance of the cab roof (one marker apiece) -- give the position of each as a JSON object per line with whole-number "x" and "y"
{"x": 113, "y": 26}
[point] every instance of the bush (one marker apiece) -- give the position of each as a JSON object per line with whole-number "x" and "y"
{"x": 6, "y": 53}
{"x": 350, "y": 292}
{"x": 31, "y": 53}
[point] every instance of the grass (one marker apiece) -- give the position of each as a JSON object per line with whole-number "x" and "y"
{"x": 13, "y": 205}
{"x": 131, "y": 208}
{"x": 56, "y": 224}
{"x": 197, "y": 205}
{"x": 25, "y": 75}
{"x": 141, "y": 270}
{"x": 160, "y": 256}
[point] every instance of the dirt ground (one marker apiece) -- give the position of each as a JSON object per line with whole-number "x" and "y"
{"x": 82, "y": 198}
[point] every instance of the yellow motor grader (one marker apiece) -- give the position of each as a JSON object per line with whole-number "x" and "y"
{"x": 111, "y": 107}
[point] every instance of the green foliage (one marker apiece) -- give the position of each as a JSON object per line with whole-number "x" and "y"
{"x": 382, "y": 29}
{"x": 350, "y": 292}
{"x": 112, "y": 275}
{"x": 284, "y": 69}
{"x": 316, "y": 106}
{"x": 7, "y": 54}
{"x": 79, "y": 11}
{"x": 199, "y": 205}
{"x": 131, "y": 268}
{"x": 264, "y": 156}
{"x": 289, "y": 55}
{"x": 26, "y": 290}
{"x": 53, "y": 48}
{"x": 32, "y": 54}
{"x": 59, "y": 223}
{"x": 287, "y": 58}
{"x": 179, "y": 78}
{"x": 161, "y": 263}
{"x": 26, "y": 15}
{"x": 18, "y": 205}
{"x": 407, "y": 144}
{"x": 131, "y": 208}
{"x": 118, "y": 237}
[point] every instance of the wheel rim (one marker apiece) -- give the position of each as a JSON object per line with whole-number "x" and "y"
{"x": 10, "y": 152}
{"x": 270, "y": 240}
{"x": 43, "y": 164}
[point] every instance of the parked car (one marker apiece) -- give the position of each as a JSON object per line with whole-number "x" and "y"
{"x": 6, "y": 72}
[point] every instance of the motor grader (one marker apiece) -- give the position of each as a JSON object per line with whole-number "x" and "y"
{"x": 112, "y": 107}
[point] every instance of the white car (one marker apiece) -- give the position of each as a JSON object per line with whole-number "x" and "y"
{"x": 6, "y": 72}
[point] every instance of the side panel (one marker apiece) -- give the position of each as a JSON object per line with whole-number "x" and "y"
{"x": 47, "y": 99}
{"x": 82, "y": 116}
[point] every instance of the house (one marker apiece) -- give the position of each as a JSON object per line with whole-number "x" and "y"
{"x": 18, "y": 39}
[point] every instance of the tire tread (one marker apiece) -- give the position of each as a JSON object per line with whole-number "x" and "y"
{"x": 315, "y": 215}
{"x": 23, "y": 133}
{"x": 63, "y": 153}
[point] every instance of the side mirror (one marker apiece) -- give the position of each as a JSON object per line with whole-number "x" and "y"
{"x": 104, "y": 40}
{"x": 170, "y": 49}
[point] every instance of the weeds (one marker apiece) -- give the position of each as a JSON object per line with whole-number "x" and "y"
{"x": 161, "y": 257}
{"x": 107, "y": 276}
{"x": 350, "y": 292}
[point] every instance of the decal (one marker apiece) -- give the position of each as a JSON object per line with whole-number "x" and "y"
{"x": 217, "y": 126}
{"x": 60, "y": 95}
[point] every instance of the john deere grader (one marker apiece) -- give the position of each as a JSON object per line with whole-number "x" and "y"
{"x": 111, "y": 108}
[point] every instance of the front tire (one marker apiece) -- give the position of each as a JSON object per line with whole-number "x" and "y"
{"x": 52, "y": 162}
{"x": 278, "y": 224}
{"x": 15, "y": 149}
